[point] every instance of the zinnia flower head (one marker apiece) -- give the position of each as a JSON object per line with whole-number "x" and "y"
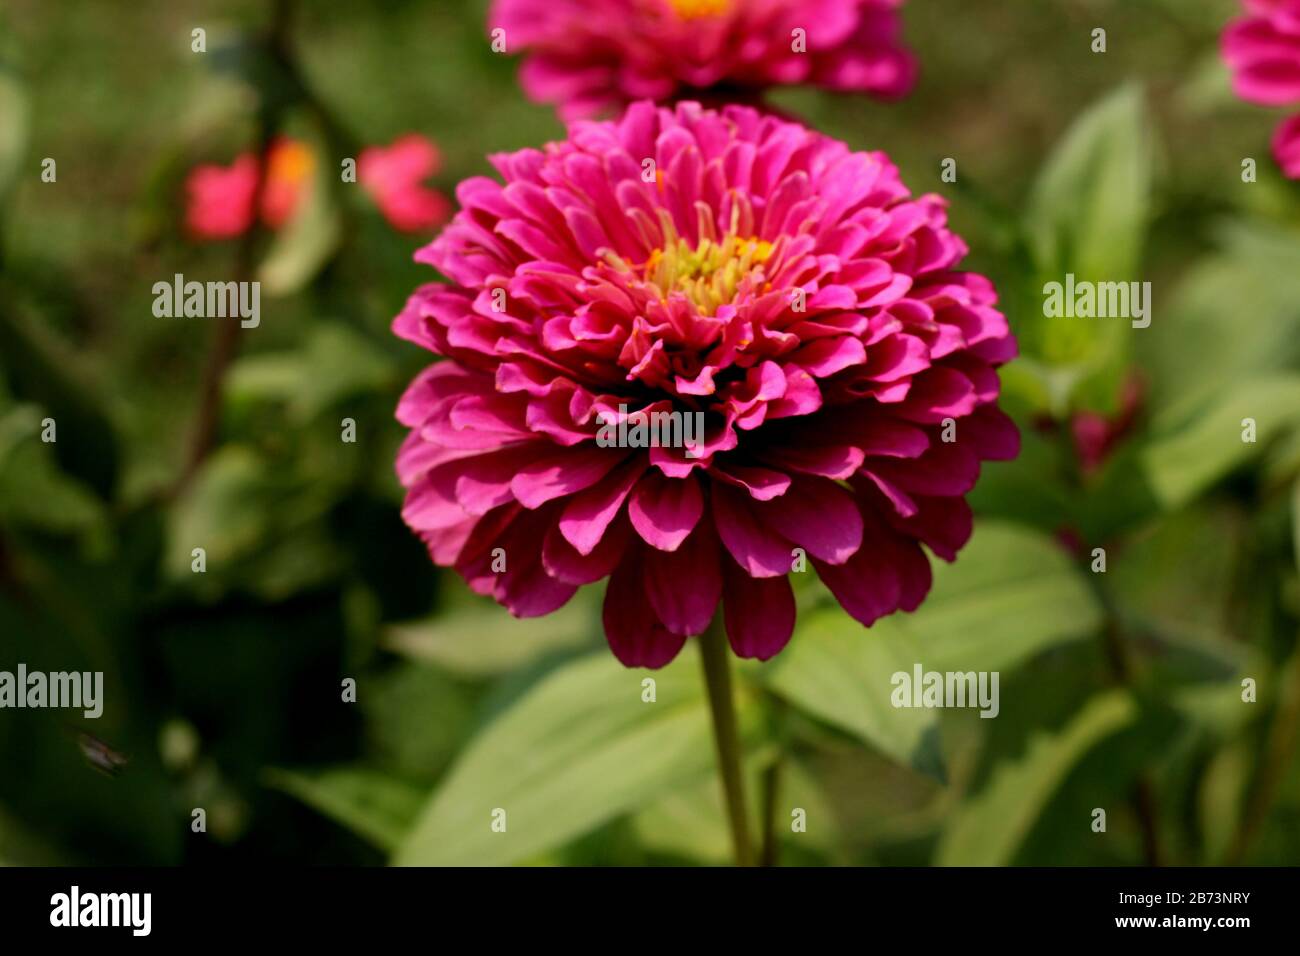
{"x": 731, "y": 264}
{"x": 1263, "y": 51}
{"x": 594, "y": 55}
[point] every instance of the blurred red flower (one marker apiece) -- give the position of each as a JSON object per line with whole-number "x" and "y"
{"x": 394, "y": 177}
{"x": 220, "y": 199}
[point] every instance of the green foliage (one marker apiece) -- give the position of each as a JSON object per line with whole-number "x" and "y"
{"x": 13, "y": 128}
{"x": 1087, "y": 217}
{"x": 481, "y": 642}
{"x": 578, "y": 749}
{"x": 1186, "y": 461}
{"x": 376, "y": 806}
{"x": 1013, "y": 594}
{"x": 991, "y": 825}
{"x": 309, "y": 240}
{"x": 1088, "y": 210}
{"x": 33, "y": 491}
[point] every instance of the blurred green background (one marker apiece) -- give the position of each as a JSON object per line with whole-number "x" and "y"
{"x": 1120, "y": 690}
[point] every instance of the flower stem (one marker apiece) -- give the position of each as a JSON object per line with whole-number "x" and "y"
{"x": 226, "y": 338}
{"x": 769, "y": 852}
{"x": 1121, "y": 665}
{"x": 717, "y": 678}
{"x": 1278, "y": 753}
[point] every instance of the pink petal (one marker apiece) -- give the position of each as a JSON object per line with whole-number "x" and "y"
{"x": 684, "y": 586}
{"x": 563, "y": 472}
{"x": 665, "y": 510}
{"x": 586, "y": 517}
{"x": 634, "y": 632}
{"x": 759, "y": 613}
{"x": 756, "y": 547}
{"x": 819, "y": 516}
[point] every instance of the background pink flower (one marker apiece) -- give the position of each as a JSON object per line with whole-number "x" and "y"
{"x": 220, "y": 198}
{"x": 578, "y": 286}
{"x": 1263, "y": 51}
{"x": 1096, "y": 435}
{"x": 1286, "y": 146}
{"x": 593, "y": 55}
{"x": 394, "y": 177}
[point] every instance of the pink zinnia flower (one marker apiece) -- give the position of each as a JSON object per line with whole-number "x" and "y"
{"x": 220, "y": 198}
{"x": 790, "y": 290}
{"x": 1263, "y": 51}
{"x": 594, "y": 55}
{"x": 394, "y": 176}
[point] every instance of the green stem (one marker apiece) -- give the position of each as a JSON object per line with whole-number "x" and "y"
{"x": 1278, "y": 754}
{"x": 769, "y": 854}
{"x": 225, "y": 342}
{"x": 726, "y": 738}
{"x": 1121, "y": 664}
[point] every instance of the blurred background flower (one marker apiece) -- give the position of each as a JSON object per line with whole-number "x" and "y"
{"x": 395, "y": 177}
{"x": 1263, "y": 50}
{"x": 594, "y": 56}
{"x": 220, "y": 199}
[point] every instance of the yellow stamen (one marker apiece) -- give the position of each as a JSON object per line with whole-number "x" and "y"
{"x": 698, "y": 9}
{"x": 708, "y": 274}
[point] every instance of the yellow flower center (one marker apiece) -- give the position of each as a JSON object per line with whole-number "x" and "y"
{"x": 708, "y": 274}
{"x": 698, "y": 9}
{"x": 290, "y": 162}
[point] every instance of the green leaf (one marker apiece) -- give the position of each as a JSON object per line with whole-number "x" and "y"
{"x": 483, "y": 641}
{"x": 1208, "y": 86}
{"x": 1183, "y": 462}
{"x": 1220, "y": 799}
{"x": 14, "y": 113}
{"x": 417, "y": 718}
{"x": 578, "y": 749}
{"x": 258, "y": 524}
{"x": 33, "y": 490}
{"x": 841, "y": 674}
{"x": 376, "y": 806}
{"x": 1195, "y": 349}
{"x": 52, "y": 374}
{"x": 337, "y": 363}
{"x": 1011, "y": 594}
{"x": 1087, "y": 216}
{"x": 1295, "y": 520}
{"x": 225, "y": 511}
{"x": 307, "y": 243}
{"x": 1088, "y": 210}
{"x": 990, "y": 826}
{"x": 692, "y": 824}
